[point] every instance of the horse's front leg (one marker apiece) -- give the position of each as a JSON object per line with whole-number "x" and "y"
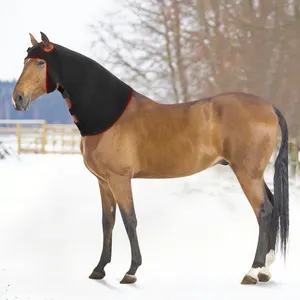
{"x": 121, "y": 188}
{"x": 108, "y": 221}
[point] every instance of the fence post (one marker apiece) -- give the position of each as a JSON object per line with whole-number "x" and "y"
{"x": 73, "y": 139}
{"x": 297, "y": 160}
{"x": 44, "y": 138}
{"x": 293, "y": 157}
{"x": 18, "y": 131}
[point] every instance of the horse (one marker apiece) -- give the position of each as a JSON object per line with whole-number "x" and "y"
{"x": 126, "y": 135}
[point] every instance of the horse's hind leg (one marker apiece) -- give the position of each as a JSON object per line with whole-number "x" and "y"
{"x": 121, "y": 188}
{"x": 254, "y": 190}
{"x": 108, "y": 221}
{"x": 264, "y": 274}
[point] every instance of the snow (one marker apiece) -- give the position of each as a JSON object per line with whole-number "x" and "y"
{"x": 197, "y": 235}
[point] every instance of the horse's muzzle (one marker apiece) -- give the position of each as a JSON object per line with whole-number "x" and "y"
{"x": 20, "y": 102}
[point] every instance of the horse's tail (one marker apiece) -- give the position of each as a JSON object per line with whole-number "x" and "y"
{"x": 281, "y": 185}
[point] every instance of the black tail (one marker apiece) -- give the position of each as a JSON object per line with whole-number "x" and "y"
{"x": 281, "y": 184}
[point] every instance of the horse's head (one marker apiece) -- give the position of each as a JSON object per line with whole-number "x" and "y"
{"x": 34, "y": 80}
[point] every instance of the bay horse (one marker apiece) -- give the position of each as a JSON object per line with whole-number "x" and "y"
{"x": 126, "y": 135}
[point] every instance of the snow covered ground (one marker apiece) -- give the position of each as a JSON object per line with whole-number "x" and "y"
{"x": 197, "y": 236}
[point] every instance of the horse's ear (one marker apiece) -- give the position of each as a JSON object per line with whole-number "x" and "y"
{"x": 46, "y": 42}
{"x": 33, "y": 40}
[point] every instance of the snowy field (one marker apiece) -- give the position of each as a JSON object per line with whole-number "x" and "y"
{"x": 197, "y": 235}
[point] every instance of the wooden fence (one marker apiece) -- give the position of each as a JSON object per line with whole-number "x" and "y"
{"x": 36, "y": 136}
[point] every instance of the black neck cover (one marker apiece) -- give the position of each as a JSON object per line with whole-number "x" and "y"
{"x": 98, "y": 98}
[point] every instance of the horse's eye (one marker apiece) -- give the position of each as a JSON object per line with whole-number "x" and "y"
{"x": 40, "y": 63}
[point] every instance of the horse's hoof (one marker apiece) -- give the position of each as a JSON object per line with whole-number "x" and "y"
{"x": 128, "y": 279}
{"x": 263, "y": 277}
{"x": 249, "y": 280}
{"x": 97, "y": 275}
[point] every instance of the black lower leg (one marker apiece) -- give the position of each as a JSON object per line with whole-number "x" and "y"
{"x": 130, "y": 223}
{"x": 274, "y": 222}
{"x": 265, "y": 226}
{"x": 107, "y": 241}
{"x": 108, "y": 221}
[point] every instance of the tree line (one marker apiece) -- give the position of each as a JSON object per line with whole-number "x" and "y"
{"x": 181, "y": 50}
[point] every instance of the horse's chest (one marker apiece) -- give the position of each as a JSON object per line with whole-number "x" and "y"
{"x": 93, "y": 159}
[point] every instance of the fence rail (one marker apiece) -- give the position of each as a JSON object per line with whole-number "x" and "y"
{"x": 36, "y": 136}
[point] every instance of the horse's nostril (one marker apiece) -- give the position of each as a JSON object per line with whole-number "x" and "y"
{"x": 19, "y": 98}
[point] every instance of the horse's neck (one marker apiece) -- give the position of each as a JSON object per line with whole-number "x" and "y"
{"x": 97, "y": 97}
{"x": 78, "y": 71}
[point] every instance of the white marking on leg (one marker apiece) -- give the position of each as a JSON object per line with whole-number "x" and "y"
{"x": 112, "y": 209}
{"x": 253, "y": 273}
{"x": 270, "y": 258}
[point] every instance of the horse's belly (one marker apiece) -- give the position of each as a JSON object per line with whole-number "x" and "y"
{"x": 172, "y": 163}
